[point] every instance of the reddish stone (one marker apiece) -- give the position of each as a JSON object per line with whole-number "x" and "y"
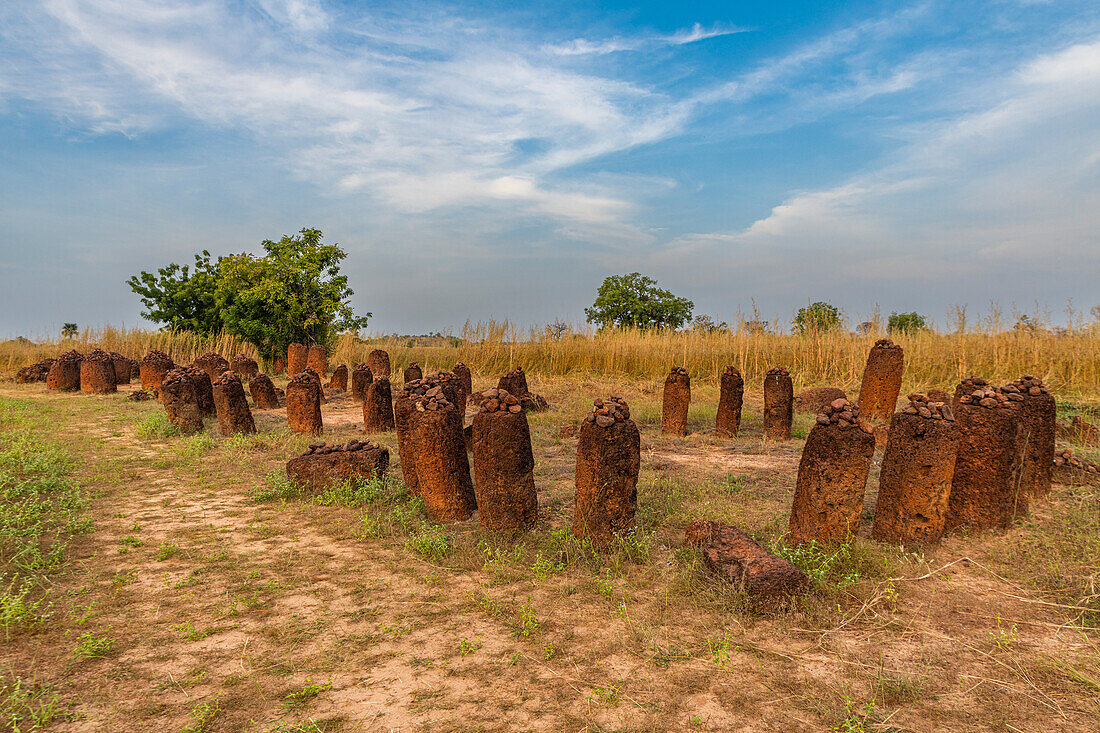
{"x": 404, "y": 417}
{"x": 1040, "y": 420}
{"x": 232, "y": 405}
{"x": 323, "y": 466}
{"x": 965, "y": 387}
{"x": 412, "y": 373}
{"x": 64, "y": 374}
{"x": 297, "y": 359}
{"x": 675, "y": 401}
{"x": 123, "y": 367}
{"x": 878, "y": 395}
{"x": 317, "y": 359}
{"x": 465, "y": 376}
{"x": 278, "y": 366}
{"x": 361, "y": 377}
{"x": 177, "y": 394}
{"x": 778, "y": 404}
{"x": 379, "y": 363}
{"x": 212, "y": 363}
{"x": 378, "y": 407}
{"x": 154, "y": 366}
{"x": 442, "y": 467}
{"x": 339, "y": 379}
{"x": 938, "y": 395}
{"x": 815, "y": 400}
{"x": 504, "y": 465}
{"x": 1083, "y": 432}
{"x": 731, "y": 395}
{"x": 97, "y": 373}
{"x": 263, "y": 392}
{"x": 608, "y": 459}
{"x": 514, "y": 383}
{"x": 245, "y": 366}
{"x": 37, "y": 372}
{"x": 204, "y": 390}
{"x": 303, "y": 404}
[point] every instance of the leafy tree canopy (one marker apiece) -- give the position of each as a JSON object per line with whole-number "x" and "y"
{"x": 906, "y": 322}
{"x": 817, "y": 317}
{"x": 293, "y": 293}
{"x": 635, "y": 300}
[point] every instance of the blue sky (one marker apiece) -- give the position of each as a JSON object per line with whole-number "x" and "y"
{"x": 479, "y": 160}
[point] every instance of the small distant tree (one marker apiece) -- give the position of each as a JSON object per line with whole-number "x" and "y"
{"x": 557, "y": 329}
{"x": 68, "y": 330}
{"x": 635, "y": 300}
{"x": 817, "y": 317}
{"x": 906, "y": 323}
{"x": 706, "y": 324}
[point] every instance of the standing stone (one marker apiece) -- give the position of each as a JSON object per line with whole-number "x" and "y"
{"x": 404, "y": 417}
{"x": 467, "y": 378}
{"x": 232, "y": 405}
{"x": 778, "y": 404}
{"x": 504, "y": 465}
{"x": 675, "y": 401}
{"x": 97, "y": 373}
{"x": 263, "y": 392}
{"x": 123, "y": 368}
{"x": 245, "y": 366}
{"x": 514, "y": 383}
{"x": 731, "y": 395}
{"x": 64, "y": 374}
{"x": 453, "y": 390}
{"x": 212, "y": 363}
{"x": 278, "y": 366}
{"x": 832, "y": 476}
{"x": 303, "y": 404}
{"x": 966, "y": 387}
{"x": 412, "y": 373}
{"x": 297, "y": 359}
{"x": 379, "y": 363}
{"x": 339, "y": 379}
{"x": 154, "y": 366}
{"x": 361, "y": 377}
{"x": 177, "y": 394}
{"x": 878, "y": 395}
{"x": 317, "y": 358}
{"x": 985, "y": 490}
{"x": 442, "y": 468}
{"x": 204, "y": 390}
{"x": 608, "y": 459}
{"x": 1040, "y": 419}
{"x": 915, "y": 482}
{"x": 378, "y": 407}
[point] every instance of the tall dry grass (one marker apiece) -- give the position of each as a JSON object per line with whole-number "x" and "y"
{"x": 1068, "y": 362}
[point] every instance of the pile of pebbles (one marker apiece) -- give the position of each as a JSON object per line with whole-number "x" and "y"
{"x": 499, "y": 400}
{"x": 993, "y": 398}
{"x": 433, "y": 400}
{"x": 606, "y": 413}
{"x": 1066, "y": 458}
{"x": 844, "y": 414}
{"x": 321, "y": 448}
{"x": 928, "y": 408}
{"x": 1026, "y": 385}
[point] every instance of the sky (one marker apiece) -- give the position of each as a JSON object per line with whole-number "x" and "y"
{"x": 498, "y": 160}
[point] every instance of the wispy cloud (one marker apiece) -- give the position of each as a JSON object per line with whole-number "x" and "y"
{"x": 585, "y": 47}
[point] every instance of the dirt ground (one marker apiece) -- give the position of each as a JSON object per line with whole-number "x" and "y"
{"x": 233, "y": 604}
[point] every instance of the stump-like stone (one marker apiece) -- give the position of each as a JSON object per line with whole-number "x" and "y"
{"x": 504, "y": 464}
{"x": 442, "y": 467}
{"x": 608, "y": 459}
{"x": 177, "y": 394}
{"x": 97, "y": 373}
{"x": 832, "y": 476}
{"x": 412, "y": 373}
{"x": 123, "y": 367}
{"x": 152, "y": 369}
{"x": 379, "y": 363}
{"x": 938, "y": 395}
{"x": 245, "y": 366}
{"x": 339, "y": 379}
{"x": 297, "y": 359}
{"x": 317, "y": 359}
{"x": 466, "y": 377}
{"x": 361, "y": 377}
{"x": 453, "y": 390}
{"x": 37, "y": 372}
{"x": 675, "y": 401}
{"x": 1040, "y": 421}
{"x": 731, "y": 395}
{"x": 278, "y": 366}
{"x": 514, "y": 383}
{"x": 404, "y": 416}
{"x": 323, "y": 466}
{"x": 213, "y": 363}
{"x": 985, "y": 489}
{"x": 814, "y": 401}
{"x": 263, "y": 392}
{"x": 64, "y": 374}
{"x": 232, "y": 405}
{"x": 204, "y": 390}
{"x": 303, "y": 404}
{"x": 878, "y": 394}
{"x": 769, "y": 580}
{"x": 915, "y": 482}
{"x": 778, "y": 404}
{"x": 378, "y": 407}
{"x": 966, "y": 387}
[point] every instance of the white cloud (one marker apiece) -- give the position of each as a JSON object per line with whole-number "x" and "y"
{"x": 585, "y": 47}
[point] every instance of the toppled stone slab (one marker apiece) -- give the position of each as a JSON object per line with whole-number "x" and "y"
{"x": 35, "y": 372}
{"x": 323, "y": 465}
{"x": 140, "y": 396}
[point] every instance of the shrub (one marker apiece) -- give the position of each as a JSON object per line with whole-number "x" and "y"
{"x": 906, "y": 323}
{"x": 818, "y": 317}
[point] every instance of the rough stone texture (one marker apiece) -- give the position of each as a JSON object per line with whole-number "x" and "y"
{"x": 139, "y": 395}
{"x": 404, "y": 416}
{"x": 985, "y": 490}
{"x": 245, "y": 366}
{"x": 35, "y": 372}
{"x": 442, "y": 467}
{"x": 177, "y": 394}
{"x": 778, "y": 404}
{"x": 938, "y": 395}
{"x": 339, "y": 379}
{"x": 278, "y": 366}
{"x": 212, "y": 363}
{"x": 878, "y": 394}
{"x": 317, "y": 359}
{"x": 263, "y": 392}
{"x": 378, "y": 407}
{"x": 1071, "y": 470}
{"x": 379, "y": 363}
{"x": 303, "y": 404}
{"x": 915, "y": 481}
{"x": 412, "y": 373}
{"x": 731, "y": 395}
{"x": 675, "y": 401}
{"x": 97, "y": 373}
{"x": 569, "y": 430}
{"x": 64, "y": 374}
{"x": 1082, "y": 432}
{"x": 608, "y": 459}
{"x": 1040, "y": 418}
{"x": 297, "y": 359}
{"x": 232, "y": 405}
{"x": 135, "y": 370}
{"x": 832, "y": 476}
{"x": 814, "y": 401}
{"x": 514, "y": 383}
{"x": 361, "y": 377}
{"x": 453, "y": 390}
{"x": 769, "y": 580}
{"x": 504, "y": 464}
{"x": 204, "y": 390}
{"x": 322, "y": 466}
{"x": 123, "y": 367}
{"x": 153, "y": 367}
{"x": 965, "y": 387}
{"x": 466, "y": 377}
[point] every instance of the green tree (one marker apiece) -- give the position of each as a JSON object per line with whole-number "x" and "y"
{"x": 906, "y": 322}
{"x": 817, "y": 317}
{"x": 68, "y": 330}
{"x": 180, "y": 298}
{"x": 635, "y": 300}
